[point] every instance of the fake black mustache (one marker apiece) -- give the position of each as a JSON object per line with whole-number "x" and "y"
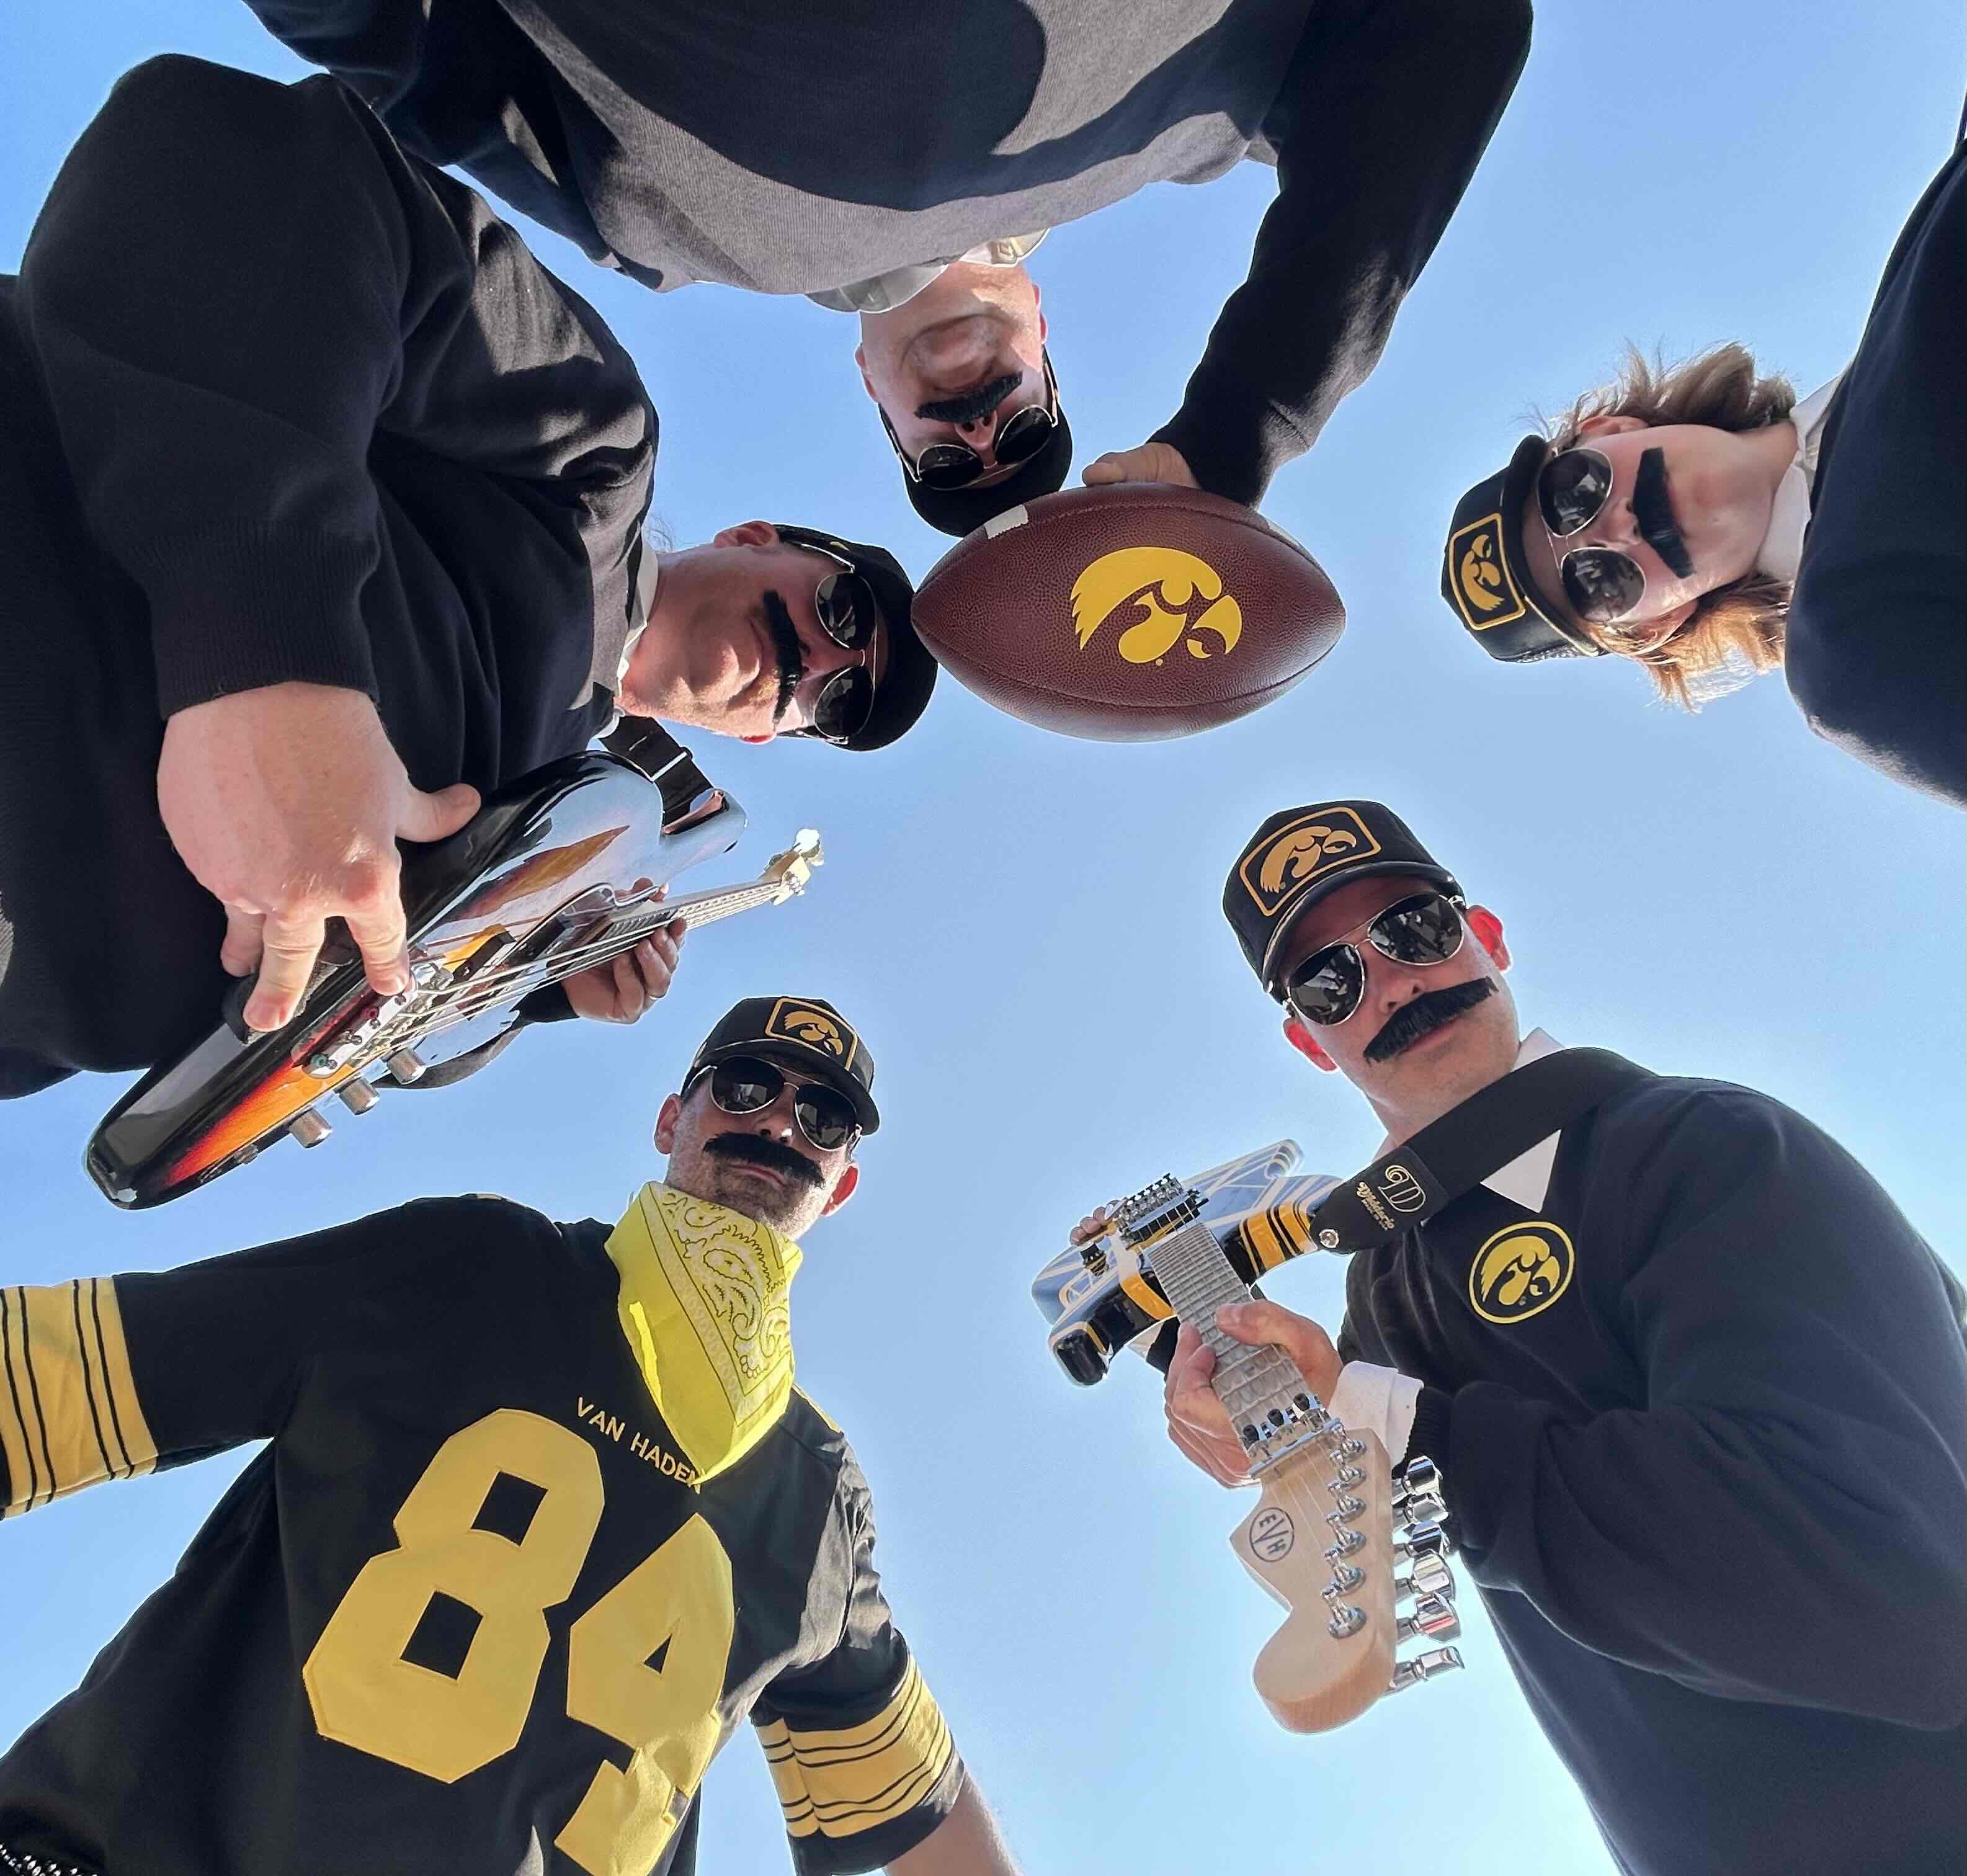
{"x": 973, "y": 406}
{"x": 1426, "y": 1014}
{"x": 785, "y": 643}
{"x": 758, "y": 1150}
{"x": 1653, "y": 510}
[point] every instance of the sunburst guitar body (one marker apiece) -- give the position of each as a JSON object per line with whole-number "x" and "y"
{"x": 560, "y": 870}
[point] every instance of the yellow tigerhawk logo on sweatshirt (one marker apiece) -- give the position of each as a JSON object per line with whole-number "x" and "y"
{"x": 1522, "y": 1270}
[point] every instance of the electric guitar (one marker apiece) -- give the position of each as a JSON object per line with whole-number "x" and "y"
{"x": 559, "y": 871}
{"x": 1327, "y": 1507}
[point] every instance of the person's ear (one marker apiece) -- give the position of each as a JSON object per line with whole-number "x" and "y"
{"x": 1608, "y": 425}
{"x": 769, "y": 736}
{"x": 843, "y": 1188}
{"x": 1488, "y": 930}
{"x": 750, "y": 534}
{"x": 1654, "y": 634}
{"x": 866, "y": 382}
{"x": 667, "y": 1117}
{"x": 1297, "y": 1033}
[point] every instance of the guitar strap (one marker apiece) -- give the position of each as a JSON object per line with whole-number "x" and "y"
{"x": 642, "y": 743}
{"x": 1409, "y": 1183}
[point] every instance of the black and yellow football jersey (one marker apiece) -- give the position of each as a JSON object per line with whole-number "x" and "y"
{"x": 471, "y": 1610}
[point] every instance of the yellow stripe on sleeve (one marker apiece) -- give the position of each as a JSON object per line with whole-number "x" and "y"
{"x": 69, "y": 1412}
{"x": 838, "y": 1783}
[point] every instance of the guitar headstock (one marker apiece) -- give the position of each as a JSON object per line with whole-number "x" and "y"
{"x": 790, "y": 870}
{"x": 1154, "y": 1211}
{"x": 1335, "y": 1654}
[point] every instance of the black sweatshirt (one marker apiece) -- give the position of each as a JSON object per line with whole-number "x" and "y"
{"x": 1876, "y": 649}
{"x": 1702, "y": 1420}
{"x": 334, "y": 421}
{"x": 280, "y": 403}
{"x": 789, "y": 149}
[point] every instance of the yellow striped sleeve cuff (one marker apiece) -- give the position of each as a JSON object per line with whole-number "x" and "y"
{"x": 838, "y": 1783}
{"x": 69, "y": 1412}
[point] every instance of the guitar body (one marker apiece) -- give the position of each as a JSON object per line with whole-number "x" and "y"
{"x": 548, "y": 862}
{"x": 1311, "y": 1679}
{"x": 1257, "y": 1206}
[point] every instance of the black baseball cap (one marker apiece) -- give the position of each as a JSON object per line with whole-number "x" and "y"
{"x": 961, "y": 511}
{"x": 902, "y": 694}
{"x": 1485, "y": 574}
{"x": 805, "y": 1034}
{"x": 1300, "y": 854}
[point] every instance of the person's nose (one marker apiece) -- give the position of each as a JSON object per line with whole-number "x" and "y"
{"x": 1388, "y": 983}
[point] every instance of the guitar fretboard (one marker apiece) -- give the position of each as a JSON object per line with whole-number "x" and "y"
{"x": 1259, "y": 1387}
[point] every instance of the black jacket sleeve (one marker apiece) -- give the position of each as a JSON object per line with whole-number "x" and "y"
{"x": 1383, "y": 115}
{"x": 237, "y": 291}
{"x": 1784, "y": 1520}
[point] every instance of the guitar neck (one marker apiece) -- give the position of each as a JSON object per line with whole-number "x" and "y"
{"x": 694, "y": 910}
{"x": 1250, "y": 1381}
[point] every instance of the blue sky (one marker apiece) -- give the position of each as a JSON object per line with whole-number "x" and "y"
{"x": 1025, "y": 927}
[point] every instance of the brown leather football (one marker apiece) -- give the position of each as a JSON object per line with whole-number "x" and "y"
{"x": 1124, "y": 613}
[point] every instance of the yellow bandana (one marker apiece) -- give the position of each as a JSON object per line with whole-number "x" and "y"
{"x": 705, "y": 1303}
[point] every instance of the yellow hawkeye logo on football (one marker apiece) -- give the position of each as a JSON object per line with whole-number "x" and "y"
{"x": 1522, "y": 1270}
{"x": 1173, "y": 599}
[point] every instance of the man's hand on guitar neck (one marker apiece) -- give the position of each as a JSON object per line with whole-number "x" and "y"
{"x": 1197, "y": 1422}
{"x": 286, "y": 803}
{"x": 623, "y": 990}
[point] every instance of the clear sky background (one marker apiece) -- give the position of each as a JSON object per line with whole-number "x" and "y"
{"x": 1026, "y": 929}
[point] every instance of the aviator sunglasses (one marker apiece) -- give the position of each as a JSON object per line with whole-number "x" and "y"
{"x": 1426, "y": 929}
{"x": 845, "y": 606}
{"x": 744, "y": 1085}
{"x": 1018, "y": 438}
{"x": 1603, "y": 585}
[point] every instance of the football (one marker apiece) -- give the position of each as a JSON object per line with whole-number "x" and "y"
{"x": 1128, "y": 612}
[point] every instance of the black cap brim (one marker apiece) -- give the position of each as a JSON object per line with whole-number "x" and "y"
{"x": 807, "y": 1064}
{"x": 960, "y": 511}
{"x": 908, "y": 674}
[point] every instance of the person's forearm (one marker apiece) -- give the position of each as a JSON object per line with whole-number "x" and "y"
{"x": 967, "y": 1842}
{"x": 1381, "y": 120}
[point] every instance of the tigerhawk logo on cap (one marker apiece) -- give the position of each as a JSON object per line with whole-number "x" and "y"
{"x": 1297, "y": 853}
{"x": 1181, "y": 601}
{"x": 1522, "y": 1270}
{"x": 800, "y": 1022}
{"x": 1484, "y": 593}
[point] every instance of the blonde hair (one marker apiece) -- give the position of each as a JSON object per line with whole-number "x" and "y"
{"x": 1735, "y": 632}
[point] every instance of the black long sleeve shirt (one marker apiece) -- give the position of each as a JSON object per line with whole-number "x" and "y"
{"x": 332, "y": 422}
{"x": 1702, "y": 1420}
{"x": 789, "y": 148}
{"x": 1876, "y": 648}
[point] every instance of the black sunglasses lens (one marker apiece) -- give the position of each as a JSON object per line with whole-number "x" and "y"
{"x": 743, "y": 1085}
{"x": 1326, "y": 987}
{"x": 1571, "y": 487}
{"x": 826, "y": 1118}
{"x": 1423, "y": 930}
{"x": 948, "y": 466}
{"x": 1025, "y": 434}
{"x": 1602, "y": 584}
{"x": 845, "y": 604}
{"x": 845, "y": 702}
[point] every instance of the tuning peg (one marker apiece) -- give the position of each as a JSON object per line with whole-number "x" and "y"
{"x": 1436, "y": 1660}
{"x": 1432, "y": 1615}
{"x": 358, "y": 1095}
{"x": 1344, "y": 1479}
{"x": 1427, "y": 1509}
{"x": 1349, "y": 1540}
{"x": 1421, "y": 1540}
{"x": 1345, "y": 1577}
{"x": 1345, "y": 1620}
{"x": 308, "y": 1127}
{"x": 1428, "y": 1576}
{"x": 1420, "y": 1474}
{"x": 405, "y": 1066}
{"x": 1346, "y": 1510}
